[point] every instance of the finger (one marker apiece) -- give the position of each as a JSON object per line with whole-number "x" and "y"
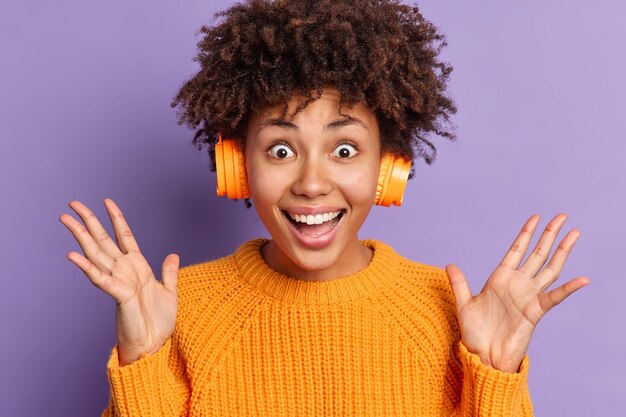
{"x": 550, "y": 299}
{"x": 539, "y": 255}
{"x": 462, "y": 293}
{"x": 123, "y": 235}
{"x": 96, "y": 230}
{"x": 90, "y": 248}
{"x": 518, "y": 249}
{"x": 551, "y": 272}
{"x": 169, "y": 272}
{"x": 95, "y": 275}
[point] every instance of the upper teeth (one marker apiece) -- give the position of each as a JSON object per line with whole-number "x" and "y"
{"x": 314, "y": 218}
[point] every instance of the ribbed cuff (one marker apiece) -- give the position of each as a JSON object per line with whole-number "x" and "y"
{"x": 490, "y": 392}
{"x": 135, "y": 387}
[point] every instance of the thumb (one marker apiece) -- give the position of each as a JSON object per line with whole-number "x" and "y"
{"x": 462, "y": 293}
{"x": 169, "y": 272}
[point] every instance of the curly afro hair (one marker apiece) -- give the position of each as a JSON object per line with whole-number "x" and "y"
{"x": 379, "y": 52}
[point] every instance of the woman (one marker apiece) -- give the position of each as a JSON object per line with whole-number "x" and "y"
{"x": 316, "y": 321}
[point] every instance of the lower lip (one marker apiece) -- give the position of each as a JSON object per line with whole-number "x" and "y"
{"x": 317, "y": 242}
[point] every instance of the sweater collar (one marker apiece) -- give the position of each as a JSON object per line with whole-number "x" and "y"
{"x": 379, "y": 273}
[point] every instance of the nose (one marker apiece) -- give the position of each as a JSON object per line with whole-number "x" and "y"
{"x": 312, "y": 179}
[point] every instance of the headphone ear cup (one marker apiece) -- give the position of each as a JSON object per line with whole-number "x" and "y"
{"x": 383, "y": 179}
{"x": 392, "y": 179}
{"x": 230, "y": 169}
{"x": 219, "y": 166}
{"x": 240, "y": 171}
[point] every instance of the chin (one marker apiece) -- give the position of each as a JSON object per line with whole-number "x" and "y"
{"x": 292, "y": 259}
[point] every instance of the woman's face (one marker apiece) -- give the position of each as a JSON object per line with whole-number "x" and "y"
{"x": 312, "y": 180}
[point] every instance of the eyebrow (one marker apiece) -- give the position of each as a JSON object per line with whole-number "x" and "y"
{"x": 336, "y": 124}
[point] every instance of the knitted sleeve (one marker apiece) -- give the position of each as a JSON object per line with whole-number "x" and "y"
{"x": 154, "y": 385}
{"x": 487, "y": 391}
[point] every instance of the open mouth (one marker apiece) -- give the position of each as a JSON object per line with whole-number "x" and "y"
{"x": 315, "y": 225}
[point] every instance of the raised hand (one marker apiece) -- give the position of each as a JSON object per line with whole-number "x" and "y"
{"x": 497, "y": 323}
{"x": 146, "y": 308}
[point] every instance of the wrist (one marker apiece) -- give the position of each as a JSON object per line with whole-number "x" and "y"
{"x": 129, "y": 353}
{"x": 504, "y": 363}
{"x": 511, "y": 367}
{"x": 125, "y": 358}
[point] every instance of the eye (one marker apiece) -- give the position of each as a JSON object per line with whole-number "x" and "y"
{"x": 280, "y": 151}
{"x": 345, "y": 150}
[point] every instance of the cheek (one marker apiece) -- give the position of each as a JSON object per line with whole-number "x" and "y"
{"x": 359, "y": 187}
{"x": 266, "y": 186}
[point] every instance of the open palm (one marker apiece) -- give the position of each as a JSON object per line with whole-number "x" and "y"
{"x": 497, "y": 323}
{"x": 146, "y": 308}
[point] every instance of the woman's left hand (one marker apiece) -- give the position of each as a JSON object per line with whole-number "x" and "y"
{"x": 497, "y": 323}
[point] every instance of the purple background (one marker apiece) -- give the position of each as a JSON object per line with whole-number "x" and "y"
{"x": 84, "y": 104}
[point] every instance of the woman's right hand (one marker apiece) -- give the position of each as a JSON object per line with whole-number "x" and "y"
{"x": 146, "y": 308}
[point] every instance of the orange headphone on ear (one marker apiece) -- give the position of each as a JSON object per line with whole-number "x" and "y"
{"x": 232, "y": 180}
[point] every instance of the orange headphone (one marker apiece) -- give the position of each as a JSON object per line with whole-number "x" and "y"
{"x": 232, "y": 179}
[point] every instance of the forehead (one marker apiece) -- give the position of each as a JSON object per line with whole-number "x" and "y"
{"x": 327, "y": 107}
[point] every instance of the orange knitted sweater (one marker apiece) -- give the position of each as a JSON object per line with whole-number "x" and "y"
{"x": 252, "y": 342}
